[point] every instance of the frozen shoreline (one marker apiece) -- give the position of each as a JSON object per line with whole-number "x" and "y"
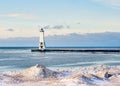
{"x": 79, "y": 76}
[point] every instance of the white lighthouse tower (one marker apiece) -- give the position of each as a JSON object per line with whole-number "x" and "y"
{"x": 41, "y": 41}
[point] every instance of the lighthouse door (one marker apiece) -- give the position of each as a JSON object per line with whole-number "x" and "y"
{"x": 41, "y": 45}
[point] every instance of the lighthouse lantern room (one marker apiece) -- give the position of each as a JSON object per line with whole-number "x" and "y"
{"x": 41, "y": 41}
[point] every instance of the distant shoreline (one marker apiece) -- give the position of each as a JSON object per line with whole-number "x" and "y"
{"x": 4, "y": 47}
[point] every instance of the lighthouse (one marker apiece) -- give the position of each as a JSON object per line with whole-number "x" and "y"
{"x": 41, "y": 41}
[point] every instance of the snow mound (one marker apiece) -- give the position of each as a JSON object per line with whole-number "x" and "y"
{"x": 39, "y": 75}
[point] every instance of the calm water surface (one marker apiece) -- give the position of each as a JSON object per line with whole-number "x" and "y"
{"x": 21, "y": 58}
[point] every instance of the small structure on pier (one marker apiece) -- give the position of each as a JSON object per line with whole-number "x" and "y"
{"x": 42, "y": 47}
{"x": 41, "y": 40}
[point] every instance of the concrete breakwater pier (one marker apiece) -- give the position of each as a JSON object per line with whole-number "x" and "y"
{"x": 77, "y": 50}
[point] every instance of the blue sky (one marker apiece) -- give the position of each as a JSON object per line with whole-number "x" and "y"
{"x": 23, "y": 18}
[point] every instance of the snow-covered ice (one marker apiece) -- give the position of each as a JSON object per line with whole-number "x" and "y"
{"x": 39, "y": 75}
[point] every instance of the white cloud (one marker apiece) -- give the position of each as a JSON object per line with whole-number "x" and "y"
{"x": 56, "y": 27}
{"x": 91, "y": 39}
{"x": 18, "y": 15}
{"x": 10, "y": 29}
{"x": 18, "y": 33}
{"x": 112, "y": 3}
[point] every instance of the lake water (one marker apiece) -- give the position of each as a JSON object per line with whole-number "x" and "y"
{"x": 17, "y": 58}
